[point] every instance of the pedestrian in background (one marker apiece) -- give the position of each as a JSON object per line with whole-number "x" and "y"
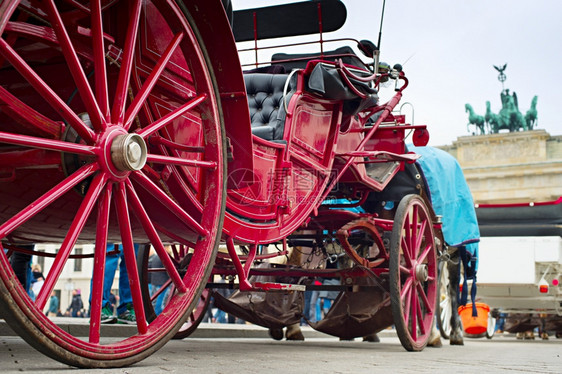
{"x": 53, "y": 308}
{"x": 76, "y": 307}
{"x": 37, "y": 280}
{"x": 125, "y": 312}
{"x": 21, "y": 264}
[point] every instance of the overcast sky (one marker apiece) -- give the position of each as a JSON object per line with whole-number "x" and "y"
{"x": 449, "y": 48}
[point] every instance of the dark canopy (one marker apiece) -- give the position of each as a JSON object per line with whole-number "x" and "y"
{"x": 294, "y": 19}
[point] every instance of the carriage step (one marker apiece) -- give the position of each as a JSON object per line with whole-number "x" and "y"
{"x": 267, "y": 286}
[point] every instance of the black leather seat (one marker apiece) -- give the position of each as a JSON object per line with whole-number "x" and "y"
{"x": 265, "y": 99}
{"x": 326, "y": 81}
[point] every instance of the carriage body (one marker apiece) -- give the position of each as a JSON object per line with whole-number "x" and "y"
{"x": 141, "y": 132}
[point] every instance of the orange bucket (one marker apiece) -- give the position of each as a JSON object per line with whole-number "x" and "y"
{"x": 474, "y": 325}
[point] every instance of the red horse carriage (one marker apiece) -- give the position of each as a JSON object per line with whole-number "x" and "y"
{"x": 132, "y": 121}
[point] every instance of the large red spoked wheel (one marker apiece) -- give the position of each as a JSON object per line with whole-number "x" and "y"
{"x": 110, "y": 131}
{"x": 413, "y": 273}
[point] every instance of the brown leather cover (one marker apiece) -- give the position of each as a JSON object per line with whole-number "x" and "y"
{"x": 273, "y": 309}
{"x": 355, "y": 314}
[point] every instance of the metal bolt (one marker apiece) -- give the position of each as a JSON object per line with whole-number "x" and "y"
{"x": 134, "y": 152}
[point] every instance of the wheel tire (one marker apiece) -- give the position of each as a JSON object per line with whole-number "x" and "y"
{"x": 179, "y": 195}
{"x": 443, "y": 306}
{"x": 413, "y": 273}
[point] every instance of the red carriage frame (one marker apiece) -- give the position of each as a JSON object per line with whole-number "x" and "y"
{"x": 151, "y": 144}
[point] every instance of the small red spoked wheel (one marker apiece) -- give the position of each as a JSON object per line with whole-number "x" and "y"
{"x": 444, "y": 307}
{"x": 196, "y": 316}
{"x": 110, "y": 132}
{"x": 157, "y": 288}
{"x": 491, "y": 326}
{"x": 413, "y": 273}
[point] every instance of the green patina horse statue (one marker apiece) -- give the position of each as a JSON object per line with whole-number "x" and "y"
{"x": 494, "y": 121}
{"x": 531, "y": 115}
{"x": 475, "y": 119}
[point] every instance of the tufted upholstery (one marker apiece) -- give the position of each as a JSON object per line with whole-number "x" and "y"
{"x": 265, "y": 98}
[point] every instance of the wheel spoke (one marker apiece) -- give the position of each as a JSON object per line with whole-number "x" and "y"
{"x": 99, "y": 59}
{"x": 130, "y": 257}
{"x": 27, "y": 116}
{"x": 423, "y": 296}
{"x": 79, "y": 6}
{"x": 158, "y": 159}
{"x": 406, "y": 288}
{"x": 49, "y": 144}
{"x": 46, "y": 92}
{"x": 414, "y": 319}
{"x": 406, "y": 295}
{"x": 182, "y": 177}
{"x": 11, "y": 38}
{"x": 75, "y": 67}
{"x": 151, "y": 80}
{"x": 161, "y": 290}
{"x": 443, "y": 304}
{"x": 102, "y": 226}
{"x": 75, "y": 228}
{"x": 174, "y": 236}
{"x": 446, "y": 317}
{"x": 420, "y": 235}
{"x": 169, "y": 203}
{"x": 168, "y": 118}
{"x": 158, "y": 140}
{"x": 176, "y": 253}
{"x": 118, "y": 109}
{"x": 419, "y": 316}
{"x": 423, "y": 255}
{"x": 414, "y": 233}
{"x": 405, "y": 252}
{"x": 184, "y": 250}
{"x": 46, "y": 199}
{"x": 148, "y": 227}
{"x": 407, "y": 236}
{"x": 404, "y": 270}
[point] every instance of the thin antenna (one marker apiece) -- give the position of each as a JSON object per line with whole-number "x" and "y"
{"x": 380, "y": 30}
{"x": 378, "y": 46}
{"x": 408, "y": 59}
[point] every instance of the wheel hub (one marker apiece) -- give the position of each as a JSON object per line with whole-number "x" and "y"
{"x": 128, "y": 152}
{"x": 422, "y": 273}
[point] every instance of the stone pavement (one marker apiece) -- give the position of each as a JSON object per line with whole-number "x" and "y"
{"x": 79, "y": 327}
{"x": 502, "y": 354}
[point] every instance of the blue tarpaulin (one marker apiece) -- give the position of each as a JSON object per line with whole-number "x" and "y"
{"x": 450, "y": 197}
